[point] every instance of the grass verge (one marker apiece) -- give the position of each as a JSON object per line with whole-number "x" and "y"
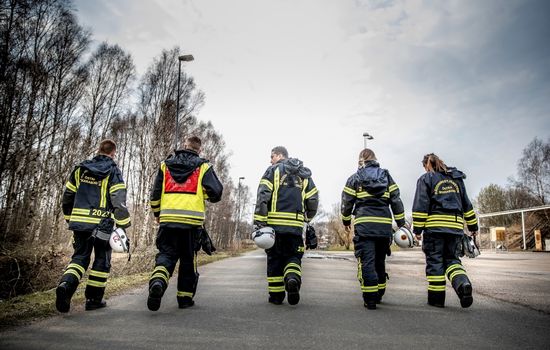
{"x": 27, "y": 308}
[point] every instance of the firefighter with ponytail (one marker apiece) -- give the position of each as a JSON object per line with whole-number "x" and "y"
{"x": 441, "y": 209}
{"x": 368, "y": 196}
{"x": 183, "y": 183}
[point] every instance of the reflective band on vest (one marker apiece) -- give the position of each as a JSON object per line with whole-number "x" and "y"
{"x": 183, "y": 202}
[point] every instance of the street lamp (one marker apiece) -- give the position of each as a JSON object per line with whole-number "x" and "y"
{"x": 367, "y": 136}
{"x": 182, "y": 58}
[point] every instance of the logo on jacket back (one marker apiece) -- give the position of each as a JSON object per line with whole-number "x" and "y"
{"x": 446, "y": 186}
{"x": 189, "y": 186}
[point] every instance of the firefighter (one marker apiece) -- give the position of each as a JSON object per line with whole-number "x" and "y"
{"x": 182, "y": 185}
{"x": 440, "y": 210}
{"x": 368, "y": 196}
{"x": 93, "y": 202}
{"x": 287, "y": 199}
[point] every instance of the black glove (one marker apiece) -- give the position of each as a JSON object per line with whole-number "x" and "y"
{"x": 311, "y": 237}
{"x": 206, "y": 243}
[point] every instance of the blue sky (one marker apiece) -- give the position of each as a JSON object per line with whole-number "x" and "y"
{"x": 468, "y": 80}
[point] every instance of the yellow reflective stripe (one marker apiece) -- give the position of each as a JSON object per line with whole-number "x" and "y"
{"x": 122, "y": 222}
{"x": 293, "y": 265}
{"x": 77, "y": 177}
{"x": 299, "y": 273}
{"x": 96, "y": 283}
{"x": 159, "y": 275}
{"x": 104, "y": 184}
{"x": 117, "y": 187}
{"x": 350, "y": 191}
{"x": 454, "y": 267}
{"x": 456, "y": 273}
{"x": 440, "y": 278}
{"x": 260, "y": 217}
{"x": 436, "y": 288}
{"x": 345, "y": 217}
{"x": 382, "y": 286}
{"x": 276, "y": 289}
{"x": 70, "y": 186}
{"x": 88, "y": 220}
{"x": 184, "y": 294}
{"x": 448, "y": 224}
{"x": 442, "y": 217}
{"x": 399, "y": 216}
{"x": 267, "y": 183}
{"x": 66, "y": 217}
{"x": 419, "y": 215}
{"x": 280, "y": 215}
{"x": 80, "y": 211}
{"x": 364, "y": 194}
{"x": 393, "y": 187}
{"x": 275, "y": 279}
{"x": 180, "y": 220}
{"x": 155, "y": 210}
{"x": 369, "y": 289}
{"x": 470, "y": 213}
{"x": 311, "y": 193}
{"x": 471, "y": 222}
{"x": 276, "y": 180}
{"x": 99, "y": 274}
{"x": 282, "y": 222}
{"x": 73, "y": 272}
{"x": 77, "y": 267}
{"x": 154, "y": 203}
{"x": 373, "y": 219}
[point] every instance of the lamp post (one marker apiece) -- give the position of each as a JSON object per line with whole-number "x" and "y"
{"x": 182, "y": 58}
{"x": 366, "y": 136}
{"x": 238, "y": 208}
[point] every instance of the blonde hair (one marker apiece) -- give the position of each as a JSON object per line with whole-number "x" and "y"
{"x": 433, "y": 163}
{"x": 366, "y": 155}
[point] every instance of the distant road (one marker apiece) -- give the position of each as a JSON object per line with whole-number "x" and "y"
{"x": 232, "y": 312}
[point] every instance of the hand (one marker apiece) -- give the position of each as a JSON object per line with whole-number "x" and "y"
{"x": 473, "y": 233}
{"x": 157, "y": 219}
{"x": 418, "y": 236}
{"x": 347, "y": 228}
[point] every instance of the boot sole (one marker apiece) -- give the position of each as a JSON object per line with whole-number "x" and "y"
{"x": 155, "y": 296}
{"x": 466, "y": 299}
{"x": 293, "y": 292}
{"x": 62, "y": 302}
{"x": 95, "y": 307}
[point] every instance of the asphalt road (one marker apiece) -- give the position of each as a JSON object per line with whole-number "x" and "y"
{"x": 232, "y": 312}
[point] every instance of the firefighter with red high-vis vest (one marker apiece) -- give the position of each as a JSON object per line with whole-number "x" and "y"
{"x": 441, "y": 209}
{"x": 183, "y": 183}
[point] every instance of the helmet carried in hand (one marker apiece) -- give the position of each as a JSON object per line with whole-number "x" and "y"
{"x": 264, "y": 237}
{"x": 119, "y": 241}
{"x": 404, "y": 238}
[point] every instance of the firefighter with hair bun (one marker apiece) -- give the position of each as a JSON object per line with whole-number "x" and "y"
{"x": 441, "y": 209}
{"x": 368, "y": 196}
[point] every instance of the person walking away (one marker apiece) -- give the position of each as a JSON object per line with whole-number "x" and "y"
{"x": 440, "y": 210}
{"x": 94, "y": 201}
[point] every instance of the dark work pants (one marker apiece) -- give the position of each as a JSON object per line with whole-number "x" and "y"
{"x": 84, "y": 244}
{"x": 173, "y": 245}
{"x": 371, "y": 265}
{"x": 442, "y": 259}
{"x": 284, "y": 261}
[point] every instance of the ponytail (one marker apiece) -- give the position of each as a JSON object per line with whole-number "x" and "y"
{"x": 433, "y": 163}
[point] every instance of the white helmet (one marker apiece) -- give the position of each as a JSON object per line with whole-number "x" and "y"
{"x": 404, "y": 238}
{"x": 119, "y": 241}
{"x": 264, "y": 237}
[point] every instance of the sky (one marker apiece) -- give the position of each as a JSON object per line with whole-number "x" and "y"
{"x": 468, "y": 80}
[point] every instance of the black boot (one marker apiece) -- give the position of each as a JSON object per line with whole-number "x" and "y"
{"x": 436, "y": 299}
{"x": 293, "y": 291}
{"x": 464, "y": 292}
{"x": 370, "y": 299}
{"x": 94, "y": 304}
{"x": 156, "y": 291}
{"x": 62, "y": 297}
{"x": 185, "y": 302}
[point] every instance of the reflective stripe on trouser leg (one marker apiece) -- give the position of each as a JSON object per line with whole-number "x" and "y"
{"x": 95, "y": 286}
{"x": 293, "y": 270}
{"x": 160, "y": 273}
{"x": 456, "y": 275}
{"x": 436, "y": 289}
{"x": 188, "y": 278}
{"x": 275, "y": 284}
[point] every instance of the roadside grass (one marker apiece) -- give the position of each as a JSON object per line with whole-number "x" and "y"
{"x": 24, "y": 309}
